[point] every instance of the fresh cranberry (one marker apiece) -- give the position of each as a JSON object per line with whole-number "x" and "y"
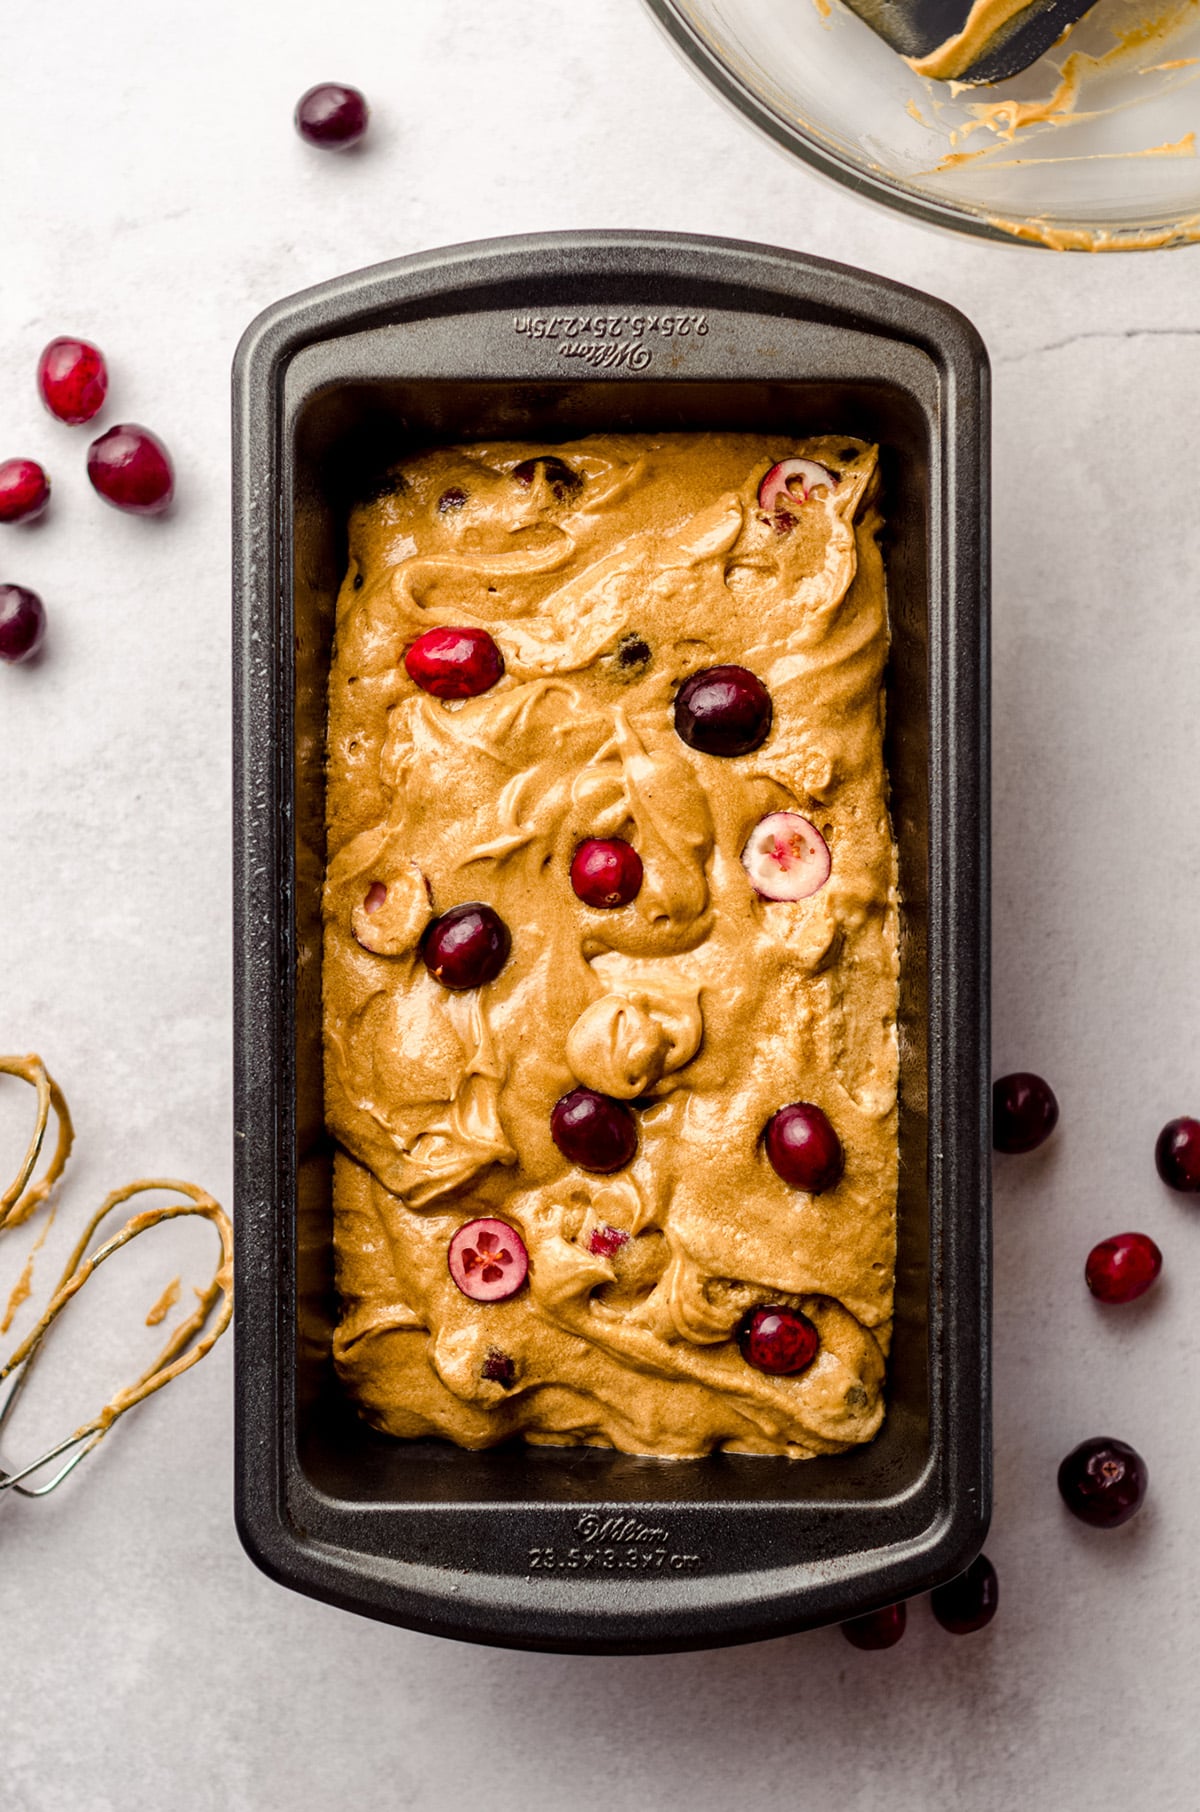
{"x": 606, "y": 1242}
{"x": 454, "y": 663}
{"x": 606, "y": 872}
{"x": 803, "y": 1148}
{"x": 499, "y": 1367}
{"x": 1103, "y": 1482}
{"x": 969, "y": 1602}
{"x": 779, "y": 1340}
{"x": 1123, "y": 1267}
{"x": 22, "y": 623}
{"x": 878, "y": 1629}
{"x": 466, "y": 946}
{"x": 332, "y": 116}
{"x": 559, "y": 476}
{"x": 786, "y": 857}
{"x": 1024, "y": 1112}
{"x": 131, "y": 469}
{"x": 593, "y": 1131}
{"x": 723, "y": 711}
{"x": 72, "y": 379}
{"x": 24, "y": 490}
{"x": 488, "y": 1260}
{"x": 1177, "y": 1154}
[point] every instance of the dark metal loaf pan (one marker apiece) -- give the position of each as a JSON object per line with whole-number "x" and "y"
{"x": 543, "y": 338}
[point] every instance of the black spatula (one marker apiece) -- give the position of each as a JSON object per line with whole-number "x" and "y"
{"x": 916, "y": 28}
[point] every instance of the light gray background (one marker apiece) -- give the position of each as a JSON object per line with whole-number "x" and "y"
{"x": 153, "y": 196}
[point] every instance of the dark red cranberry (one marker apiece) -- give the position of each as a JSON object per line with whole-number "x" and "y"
{"x": 454, "y": 663}
{"x": 1024, "y": 1112}
{"x": 332, "y": 116}
{"x": 878, "y": 1629}
{"x": 499, "y": 1368}
{"x": 451, "y": 500}
{"x": 1103, "y": 1482}
{"x": 968, "y": 1603}
{"x": 606, "y": 872}
{"x": 1177, "y": 1154}
{"x": 72, "y": 380}
{"x": 488, "y": 1260}
{"x": 22, "y": 623}
{"x": 723, "y": 711}
{"x": 1123, "y": 1267}
{"x": 779, "y": 1340}
{"x": 632, "y": 651}
{"x": 804, "y": 1149}
{"x": 593, "y": 1131}
{"x": 559, "y": 476}
{"x": 606, "y": 1242}
{"x": 131, "y": 469}
{"x": 24, "y": 490}
{"x": 466, "y": 947}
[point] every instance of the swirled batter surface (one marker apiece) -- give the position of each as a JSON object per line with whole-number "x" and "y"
{"x": 705, "y": 1005}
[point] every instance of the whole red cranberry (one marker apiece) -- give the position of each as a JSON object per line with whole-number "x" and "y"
{"x": 72, "y": 380}
{"x": 1103, "y": 1482}
{"x": 1024, "y": 1112}
{"x": 593, "y": 1131}
{"x": 779, "y": 1340}
{"x": 723, "y": 711}
{"x": 606, "y": 872}
{"x": 131, "y": 469}
{"x": 1123, "y": 1267}
{"x": 24, "y": 490}
{"x": 22, "y": 623}
{"x": 454, "y": 663}
{"x": 466, "y": 946}
{"x": 332, "y": 116}
{"x": 878, "y": 1629}
{"x": 1177, "y": 1155}
{"x": 968, "y": 1603}
{"x": 558, "y": 474}
{"x": 803, "y": 1148}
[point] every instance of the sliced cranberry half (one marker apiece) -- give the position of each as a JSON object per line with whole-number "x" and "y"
{"x": 790, "y": 484}
{"x": 1177, "y": 1155}
{"x": 877, "y": 1629}
{"x": 606, "y": 872}
{"x": 1103, "y": 1482}
{"x": 803, "y": 1148}
{"x": 1024, "y": 1112}
{"x": 466, "y": 947}
{"x": 786, "y": 857}
{"x": 723, "y": 711}
{"x": 131, "y": 469}
{"x": 24, "y": 490}
{"x": 488, "y": 1261}
{"x": 454, "y": 663}
{"x": 558, "y": 474}
{"x": 72, "y": 380}
{"x": 1122, "y": 1268}
{"x": 22, "y": 623}
{"x": 593, "y": 1131}
{"x": 332, "y": 116}
{"x": 968, "y": 1603}
{"x": 779, "y": 1340}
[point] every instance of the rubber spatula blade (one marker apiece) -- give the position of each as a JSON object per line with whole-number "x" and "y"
{"x": 1001, "y": 43}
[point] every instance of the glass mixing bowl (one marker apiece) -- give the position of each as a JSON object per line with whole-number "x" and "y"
{"x": 1091, "y": 149}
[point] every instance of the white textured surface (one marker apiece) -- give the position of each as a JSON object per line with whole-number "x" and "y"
{"x": 154, "y": 197}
